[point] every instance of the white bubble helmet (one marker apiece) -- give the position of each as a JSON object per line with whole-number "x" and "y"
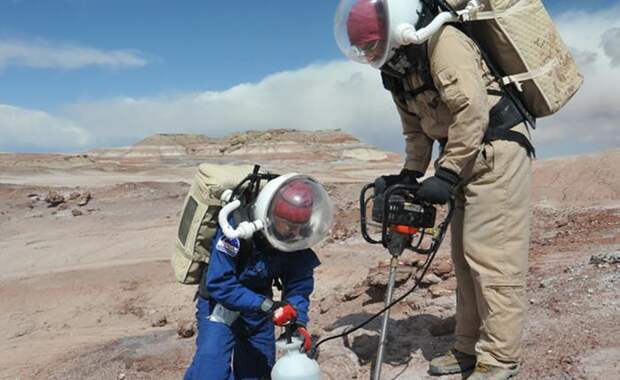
{"x": 296, "y": 210}
{"x": 365, "y": 30}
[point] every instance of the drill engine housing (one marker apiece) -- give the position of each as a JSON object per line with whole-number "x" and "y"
{"x": 404, "y": 211}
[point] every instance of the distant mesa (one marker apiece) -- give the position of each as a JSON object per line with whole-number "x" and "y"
{"x": 183, "y": 139}
{"x": 275, "y": 143}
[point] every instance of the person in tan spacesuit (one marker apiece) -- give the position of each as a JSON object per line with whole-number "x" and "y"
{"x": 445, "y": 92}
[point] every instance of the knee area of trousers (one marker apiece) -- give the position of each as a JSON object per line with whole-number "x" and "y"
{"x": 516, "y": 281}
{"x": 505, "y": 298}
{"x": 206, "y": 369}
{"x": 211, "y": 351}
{"x": 213, "y": 345}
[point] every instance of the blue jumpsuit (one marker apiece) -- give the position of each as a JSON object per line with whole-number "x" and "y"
{"x": 251, "y": 337}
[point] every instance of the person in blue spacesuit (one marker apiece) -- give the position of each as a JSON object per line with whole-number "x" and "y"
{"x": 236, "y": 314}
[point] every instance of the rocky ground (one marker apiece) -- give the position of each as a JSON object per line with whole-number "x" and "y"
{"x": 86, "y": 290}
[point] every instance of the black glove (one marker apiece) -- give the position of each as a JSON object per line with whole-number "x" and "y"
{"x": 409, "y": 177}
{"x": 406, "y": 177}
{"x": 438, "y": 188}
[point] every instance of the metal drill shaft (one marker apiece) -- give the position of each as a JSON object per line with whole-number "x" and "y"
{"x": 386, "y": 317}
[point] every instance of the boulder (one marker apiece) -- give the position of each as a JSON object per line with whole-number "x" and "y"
{"x": 54, "y": 199}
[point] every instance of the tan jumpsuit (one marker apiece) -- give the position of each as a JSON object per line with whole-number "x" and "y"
{"x": 491, "y": 226}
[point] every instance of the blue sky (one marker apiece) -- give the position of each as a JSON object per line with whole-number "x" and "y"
{"x": 69, "y": 66}
{"x": 190, "y": 45}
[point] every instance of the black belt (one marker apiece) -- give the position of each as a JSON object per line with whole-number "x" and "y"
{"x": 510, "y": 135}
{"x": 502, "y": 118}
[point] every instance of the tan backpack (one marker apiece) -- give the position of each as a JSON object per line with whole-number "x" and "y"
{"x": 520, "y": 38}
{"x": 198, "y": 221}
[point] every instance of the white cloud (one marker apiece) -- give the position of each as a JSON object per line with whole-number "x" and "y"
{"x": 37, "y": 130}
{"x": 610, "y": 41}
{"x": 45, "y": 54}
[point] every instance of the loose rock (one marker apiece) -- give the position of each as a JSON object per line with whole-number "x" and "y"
{"x": 341, "y": 232}
{"x": 378, "y": 277}
{"x": 328, "y": 302}
{"x": 54, "y": 199}
{"x": 606, "y": 258}
{"x": 338, "y": 362}
{"x": 547, "y": 282}
{"x": 430, "y": 279}
{"x": 85, "y": 198}
{"x": 415, "y": 261}
{"x": 443, "y": 269}
{"x": 159, "y": 320}
{"x": 186, "y": 329}
{"x": 354, "y": 293}
{"x": 438, "y": 291}
{"x": 76, "y": 212}
{"x": 446, "y": 302}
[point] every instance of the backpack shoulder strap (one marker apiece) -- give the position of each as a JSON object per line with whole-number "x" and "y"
{"x": 417, "y": 61}
{"x": 245, "y": 252}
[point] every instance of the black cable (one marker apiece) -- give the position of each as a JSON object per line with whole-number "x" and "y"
{"x": 425, "y": 267}
{"x": 446, "y": 6}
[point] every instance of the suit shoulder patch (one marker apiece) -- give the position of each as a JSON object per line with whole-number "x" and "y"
{"x": 228, "y": 246}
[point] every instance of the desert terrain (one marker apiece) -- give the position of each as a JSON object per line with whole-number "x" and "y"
{"x": 87, "y": 291}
